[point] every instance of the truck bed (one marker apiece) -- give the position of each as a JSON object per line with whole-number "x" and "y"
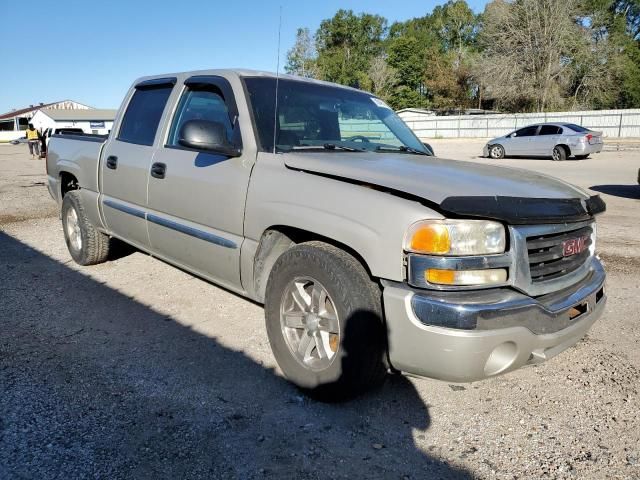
{"x": 78, "y": 155}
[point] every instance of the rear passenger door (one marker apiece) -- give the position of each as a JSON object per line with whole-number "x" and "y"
{"x": 547, "y": 139}
{"x": 126, "y": 161}
{"x": 196, "y": 205}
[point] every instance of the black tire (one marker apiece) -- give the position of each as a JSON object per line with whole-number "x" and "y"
{"x": 94, "y": 245}
{"x": 496, "y": 151}
{"x": 429, "y": 149}
{"x": 359, "y": 362}
{"x": 559, "y": 153}
{"x": 582, "y": 157}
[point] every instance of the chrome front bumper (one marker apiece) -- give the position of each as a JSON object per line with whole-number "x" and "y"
{"x": 468, "y": 336}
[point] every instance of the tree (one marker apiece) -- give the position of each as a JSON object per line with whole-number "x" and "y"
{"x": 346, "y": 45}
{"x": 528, "y": 46}
{"x": 301, "y": 59}
{"x": 383, "y": 77}
{"x": 617, "y": 23}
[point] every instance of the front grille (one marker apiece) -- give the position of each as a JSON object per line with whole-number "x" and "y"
{"x": 546, "y": 259}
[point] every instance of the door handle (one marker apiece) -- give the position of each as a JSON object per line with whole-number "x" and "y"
{"x": 158, "y": 170}
{"x": 112, "y": 162}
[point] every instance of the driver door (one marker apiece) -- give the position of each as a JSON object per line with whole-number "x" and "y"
{"x": 520, "y": 142}
{"x": 196, "y": 198}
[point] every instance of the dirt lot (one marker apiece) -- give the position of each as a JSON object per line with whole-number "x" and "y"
{"x": 133, "y": 369}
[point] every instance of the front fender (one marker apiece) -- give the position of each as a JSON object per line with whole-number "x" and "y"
{"x": 367, "y": 220}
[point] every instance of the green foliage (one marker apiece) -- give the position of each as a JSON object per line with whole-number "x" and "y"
{"x": 586, "y": 56}
{"x": 346, "y": 44}
{"x": 301, "y": 59}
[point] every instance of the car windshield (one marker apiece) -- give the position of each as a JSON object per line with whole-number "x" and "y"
{"x": 314, "y": 117}
{"x": 576, "y": 128}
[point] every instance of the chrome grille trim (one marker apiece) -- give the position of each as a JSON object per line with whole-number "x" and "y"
{"x": 515, "y": 259}
{"x": 558, "y": 272}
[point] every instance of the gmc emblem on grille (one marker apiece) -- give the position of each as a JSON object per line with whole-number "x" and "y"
{"x": 573, "y": 246}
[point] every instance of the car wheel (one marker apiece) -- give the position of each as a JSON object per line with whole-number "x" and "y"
{"x": 324, "y": 321}
{"x": 559, "y": 153}
{"x": 496, "y": 151}
{"x": 86, "y": 244}
{"x": 582, "y": 157}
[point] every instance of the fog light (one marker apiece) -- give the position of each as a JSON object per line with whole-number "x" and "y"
{"x": 466, "y": 277}
{"x": 501, "y": 358}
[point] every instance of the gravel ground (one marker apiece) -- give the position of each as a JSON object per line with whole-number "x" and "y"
{"x": 133, "y": 369}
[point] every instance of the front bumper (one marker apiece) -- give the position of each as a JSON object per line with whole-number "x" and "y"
{"x": 499, "y": 330}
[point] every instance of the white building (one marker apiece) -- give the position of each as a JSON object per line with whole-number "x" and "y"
{"x": 13, "y": 123}
{"x": 91, "y": 120}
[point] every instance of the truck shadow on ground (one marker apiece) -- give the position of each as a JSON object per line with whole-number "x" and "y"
{"x": 623, "y": 191}
{"x": 95, "y": 384}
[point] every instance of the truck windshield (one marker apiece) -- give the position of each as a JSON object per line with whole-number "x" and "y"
{"x": 312, "y": 116}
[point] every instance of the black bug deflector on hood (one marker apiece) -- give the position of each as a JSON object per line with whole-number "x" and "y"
{"x": 522, "y": 210}
{"x": 511, "y": 195}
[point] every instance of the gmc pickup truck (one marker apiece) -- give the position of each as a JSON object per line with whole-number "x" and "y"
{"x": 369, "y": 254}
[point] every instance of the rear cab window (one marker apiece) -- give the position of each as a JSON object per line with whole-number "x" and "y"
{"x": 144, "y": 111}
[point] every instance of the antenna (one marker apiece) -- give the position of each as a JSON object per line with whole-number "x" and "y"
{"x": 275, "y": 112}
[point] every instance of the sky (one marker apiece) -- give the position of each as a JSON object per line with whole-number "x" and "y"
{"x": 91, "y": 52}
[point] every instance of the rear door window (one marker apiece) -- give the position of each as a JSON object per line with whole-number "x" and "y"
{"x": 527, "y": 131}
{"x": 550, "y": 130}
{"x": 143, "y": 114}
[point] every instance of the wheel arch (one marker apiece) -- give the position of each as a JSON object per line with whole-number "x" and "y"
{"x": 566, "y": 148}
{"x": 277, "y": 239}
{"x": 68, "y": 182}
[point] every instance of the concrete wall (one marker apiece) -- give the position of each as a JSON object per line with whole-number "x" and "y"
{"x": 612, "y": 123}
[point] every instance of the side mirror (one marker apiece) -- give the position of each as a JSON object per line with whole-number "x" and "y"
{"x": 208, "y": 136}
{"x": 511, "y": 135}
{"x": 429, "y": 149}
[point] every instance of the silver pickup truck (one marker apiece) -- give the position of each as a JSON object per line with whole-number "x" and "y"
{"x": 369, "y": 254}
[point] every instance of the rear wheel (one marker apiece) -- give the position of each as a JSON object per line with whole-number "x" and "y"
{"x": 86, "y": 244}
{"x": 559, "y": 153}
{"x": 324, "y": 322}
{"x": 582, "y": 157}
{"x": 496, "y": 151}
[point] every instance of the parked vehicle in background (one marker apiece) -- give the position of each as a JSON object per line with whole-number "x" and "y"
{"x": 556, "y": 140}
{"x": 368, "y": 253}
{"x": 18, "y": 141}
{"x": 60, "y": 131}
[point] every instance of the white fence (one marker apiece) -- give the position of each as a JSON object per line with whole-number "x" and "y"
{"x": 612, "y": 123}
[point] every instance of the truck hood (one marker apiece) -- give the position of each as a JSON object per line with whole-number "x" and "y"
{"x": 448, "y": 182}
{"x": 432, "y": 178}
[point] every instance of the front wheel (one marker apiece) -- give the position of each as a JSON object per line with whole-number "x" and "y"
{"x": 558, "y": 154}
{"x": 496, "y": 151}
{"x": 324, "y": 322}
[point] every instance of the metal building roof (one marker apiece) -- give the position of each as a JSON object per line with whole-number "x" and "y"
{"x": 86, "y": 115}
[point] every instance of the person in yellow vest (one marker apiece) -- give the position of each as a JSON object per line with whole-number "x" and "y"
{"x": 33, "y": 139}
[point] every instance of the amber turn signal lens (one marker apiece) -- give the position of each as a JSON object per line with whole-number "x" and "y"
{"x": 443, "y": 277}
{"x": 432, "y": 239}
{"x": 490, "y": 276}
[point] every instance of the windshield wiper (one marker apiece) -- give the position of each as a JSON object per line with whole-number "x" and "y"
{"x": 333, "y": 146}
{"x": 326, "y": 146}
{"x": 402, "y": 148}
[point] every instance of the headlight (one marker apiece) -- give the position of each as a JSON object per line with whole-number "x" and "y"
{"x": 456, "y": 237}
